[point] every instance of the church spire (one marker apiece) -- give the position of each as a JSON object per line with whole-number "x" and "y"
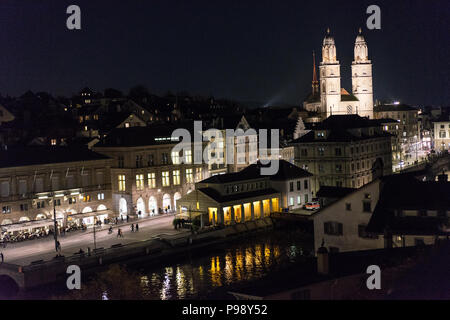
{"x": 315, "y": 83}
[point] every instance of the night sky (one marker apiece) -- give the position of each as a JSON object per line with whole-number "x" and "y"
{"x": 244, "y": 50}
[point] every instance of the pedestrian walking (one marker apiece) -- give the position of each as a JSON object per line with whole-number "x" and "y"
{"x": 89, "y": 251}
{"x": 137, "y": 227}
{"x": 1, "y": 256}
{"x": 128, "y": 218}
{"x": 118, "y": 233}
{"x": 132, "y": 227}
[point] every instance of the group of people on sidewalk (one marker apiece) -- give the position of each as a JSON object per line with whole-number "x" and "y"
{"x": 134, "y": 228}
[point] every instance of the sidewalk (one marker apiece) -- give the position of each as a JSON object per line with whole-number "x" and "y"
{"x": 25, "y": 252}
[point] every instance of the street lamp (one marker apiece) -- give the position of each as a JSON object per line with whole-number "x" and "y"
{"x": 55, "y": 225}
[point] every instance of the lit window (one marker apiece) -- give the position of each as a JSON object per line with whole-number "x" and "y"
{"x": 189, "y": 176}
{"x": 140, "y": 182}
{"x": 101, "y": 196}
{"x": 151, "y": 180}
{"x": 121, "y": 182}
{"x": 198, "y": 174}
{"x": 165, "y": 179}
{"x": 188, "y": 156}
{"x": 175, "y": 158}
{"x": 176, "y": 177}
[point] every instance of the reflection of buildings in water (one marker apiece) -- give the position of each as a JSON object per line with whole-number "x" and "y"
{"x": 276, "y": 252}
{"x": 266, "y": 255}
{"x": 239, "y": 265}
{"x": 145, "y": 284}
{"x": 258, "y": 255}
{"x": 180, "y": 282}
{"x": 165, "y": 290}
{"x": 215, "y": 271}
{"x": 201, "y": 272}
{"x": 249, "y": 262}
{"x": 228, "y": 268}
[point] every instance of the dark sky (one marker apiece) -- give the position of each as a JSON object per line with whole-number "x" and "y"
{"x": 246, "y": 50}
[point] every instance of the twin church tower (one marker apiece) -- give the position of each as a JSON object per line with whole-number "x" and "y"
{"x": 329, "y": 98}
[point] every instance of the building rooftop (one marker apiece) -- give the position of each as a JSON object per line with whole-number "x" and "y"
{"x": 338, "y": 129}
{"x": 404, "y": 192}
{"x": 140, "y": 136}
{"x": 333, "y": 192}
{"x": 393, "y": 107}
{"x": 214, "y": 194}
{"x": 286, "y": 171}
{"x": 38, "y": 155}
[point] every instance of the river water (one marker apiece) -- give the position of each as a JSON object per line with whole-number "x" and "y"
{"x": 211, "y": 273}
{"x": 243, "y": 260}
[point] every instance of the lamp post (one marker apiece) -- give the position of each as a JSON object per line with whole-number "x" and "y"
{"x": 55, "y": 225}
{"x": 95, "y": 237}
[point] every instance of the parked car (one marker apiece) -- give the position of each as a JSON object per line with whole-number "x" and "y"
{"x": 314, "y": 205}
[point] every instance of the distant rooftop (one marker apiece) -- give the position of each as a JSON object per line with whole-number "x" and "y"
{"x": 139, "y": 136}
{"x": 393, "y": 107}
{"x": 37, "y": 155}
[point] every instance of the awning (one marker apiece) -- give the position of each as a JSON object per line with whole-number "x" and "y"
{"x": 28, "y": 225}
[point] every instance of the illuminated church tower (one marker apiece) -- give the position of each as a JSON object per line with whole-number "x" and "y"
{"x": 362, "y": 77}
{"x": 330, "y": 78}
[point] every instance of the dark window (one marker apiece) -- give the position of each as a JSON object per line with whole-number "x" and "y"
{"x": 305, "y": 184}
{"x": 419, "y": 242}
{"x": 120, "y": 162}
{"x": 291, "y": 186}
{"x": 364, "y": 234}
{"x": 150, "y": 160}
{"x": 367, "y": 206}
{"x": 333, "y": 228}
{"x": 165, "y": 158}
{"x": 348, "y": 206}
{"x": 338, "y": 151}
{"x": 304, "y": 152}
{"x": 299, "y": 185}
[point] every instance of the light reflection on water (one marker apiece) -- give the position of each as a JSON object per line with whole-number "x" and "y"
{"x": 201, "y": 275}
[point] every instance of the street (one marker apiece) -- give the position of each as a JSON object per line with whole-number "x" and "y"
{"x": 23, "y": 253}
